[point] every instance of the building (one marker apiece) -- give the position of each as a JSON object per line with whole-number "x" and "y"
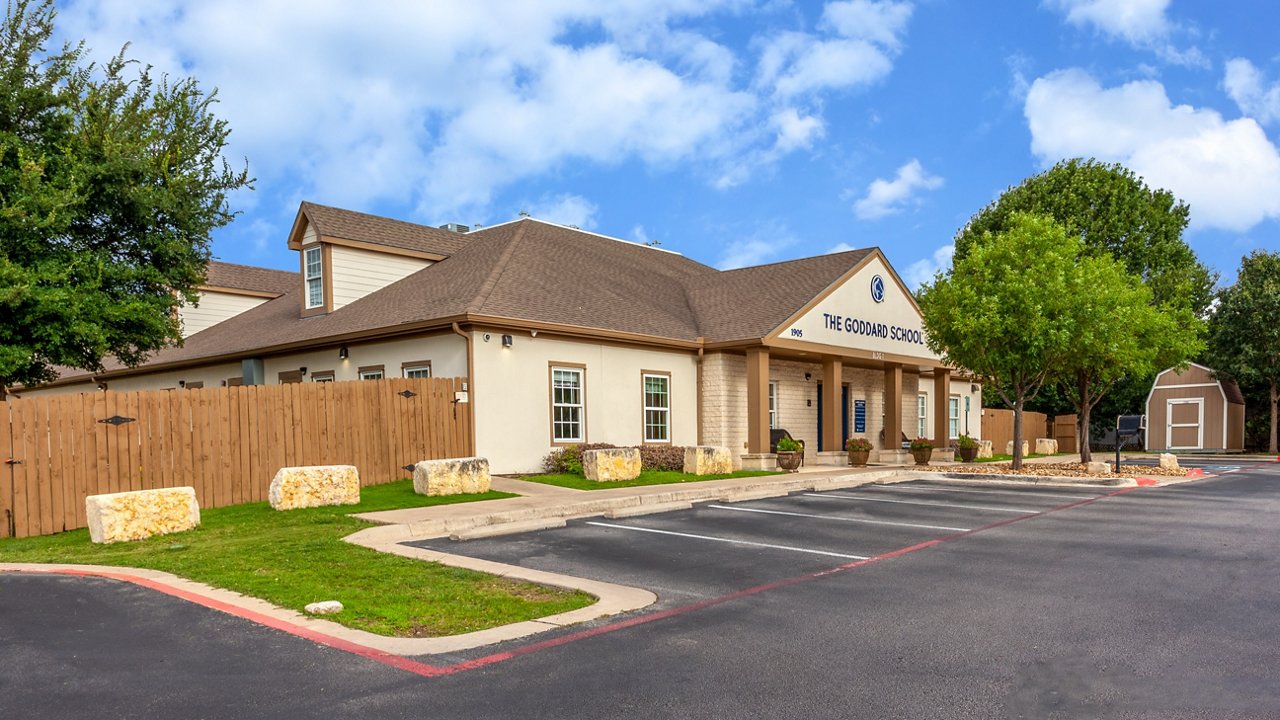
{"x": 566, "y": 336}
{"x": 1194, "y": 410}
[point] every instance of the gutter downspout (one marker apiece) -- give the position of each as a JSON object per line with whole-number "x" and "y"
{"x": 701, "y": 350}
{"x": 471, "y": 385}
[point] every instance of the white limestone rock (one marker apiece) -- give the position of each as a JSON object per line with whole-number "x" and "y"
{"x": 984, "y": 449}
{"x": 1026, "y": 448}
{"x": 707, "y": 460}
{"x": 1046, "y": 446}
{"x": 325, "y": 607}
{"x": 611, "y": 464}
{"x": 140, "y": 514}
{"x": 1169, "y": 461}
{"x": 314, "y": 486}
{"x": 1098, "y": 468}
{"x": 452, "y": 476}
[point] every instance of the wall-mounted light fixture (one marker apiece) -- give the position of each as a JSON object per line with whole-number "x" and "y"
{"x": 506, "y": 341}
{"x": 303, "y": 369}
{"x": 343, "y": 353}
{"x": 182, "y": 383}
{"x": 808, "y": 377}
{"x": 808, "y": 402}
{"x": 533, "y": 333}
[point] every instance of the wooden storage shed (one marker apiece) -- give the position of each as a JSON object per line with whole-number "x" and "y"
{"x": 1193, "y": 410}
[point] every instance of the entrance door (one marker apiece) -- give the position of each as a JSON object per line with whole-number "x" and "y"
{"x": 844, "y": 417}
{"x": 1184, "y": 424}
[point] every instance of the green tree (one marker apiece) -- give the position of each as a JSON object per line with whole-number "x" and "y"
{"x": 1119, "y": 334}
{"x": 1115, "y": 214}
{"x": 1244, "y": 330}
{"x": 110, "y": 184}
{"x": 1004, "y": 310}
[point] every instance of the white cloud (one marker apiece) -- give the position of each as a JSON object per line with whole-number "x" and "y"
{"x": 923, "y": 270}
{"x": 839, "y": 248}
{"x": 439, "y": 105}
{"x": 565, "y": 209}
{"x": 1229, "y": 172}
{"x": 889, "y": 197}
{"x": 1247, "y": 87}
{"x": 764, "y": 244}
{"x": 1141, "y": 23}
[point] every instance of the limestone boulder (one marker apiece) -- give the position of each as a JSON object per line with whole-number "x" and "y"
{"x": 452, "y": 476}
{"x": 1169, "y": 461}
{"x": 984, "y": 449}
{"x": 1098, "y": 468}
{"x": 314, "y": 486}
{"x": 117, "y": 517}
{"x": 611, "y": 464}
{"x": 1026, "y": 448}
{"x": 324, "y": 607}
{"x": 707, "y": 460}
{"x": 1046, "y": 446}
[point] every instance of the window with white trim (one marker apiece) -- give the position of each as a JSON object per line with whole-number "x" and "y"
{"x": 371, "y": 374}
{"x": 922, "y": 412}
{"x": 657, "y": 408}
{"x": 566, "y": 404}
{"x": 417, "y": 371}
{"x": 773, "y": 406}
{"x": 314, "y": 275}
{"x": 322, "y": 377}
{"x": 953, "y": 416}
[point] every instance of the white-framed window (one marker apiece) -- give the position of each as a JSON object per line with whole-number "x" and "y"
{"x": 953, "y": 416}
{"x": 657, "y": 408}
{"x": 567, "y": 404}
{"x": 773, "y": 406}
{"x": 922, "y": 415}
{"x": 417, "y": 371}
{"x": 326, "y": 376}
{"x": 375, "y": 372}
{"x": 314, "y": 275}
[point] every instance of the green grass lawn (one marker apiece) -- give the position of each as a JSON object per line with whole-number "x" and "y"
{"x": 647, "y": 477}
{"x": 297, "y": 557}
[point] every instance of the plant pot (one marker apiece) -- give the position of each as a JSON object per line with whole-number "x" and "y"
{"x": 967, "y": 454}
{"x": 922, "y": 456}
{"x": 789, "y": 461}
{"x": 858, "y": 458}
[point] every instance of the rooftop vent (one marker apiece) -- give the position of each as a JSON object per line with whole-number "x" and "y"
{"x": 455, "y": 227}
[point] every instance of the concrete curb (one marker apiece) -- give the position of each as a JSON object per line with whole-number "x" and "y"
{"x": 1116, "y": 481}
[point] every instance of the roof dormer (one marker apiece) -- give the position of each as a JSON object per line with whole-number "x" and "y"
{"x": 346, "y": 255}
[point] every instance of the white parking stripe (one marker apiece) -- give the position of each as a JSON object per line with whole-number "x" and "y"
{"x": 830, "y": 496}
{"x": 727, "y": 540}
{"x": 834, "y": 517}
{"x": 984, "y": 491}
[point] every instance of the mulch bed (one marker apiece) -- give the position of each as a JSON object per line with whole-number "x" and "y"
{"x": 1051, "y": 470}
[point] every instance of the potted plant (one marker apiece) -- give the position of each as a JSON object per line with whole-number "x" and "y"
{"x": 790, "y": 453}
{"x": 859, "y": 451}
{"x": 968, "y": 448}
{"x": 921, "y": 450}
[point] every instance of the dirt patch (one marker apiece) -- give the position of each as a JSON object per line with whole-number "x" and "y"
{"x": 1051, "y": 470}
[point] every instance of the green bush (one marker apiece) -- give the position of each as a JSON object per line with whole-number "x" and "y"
{"x": 569, "y": 459}
{"x": 662, "y": 457}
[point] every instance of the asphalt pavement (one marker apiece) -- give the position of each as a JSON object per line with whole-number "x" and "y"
{"x": 1030, "y": 603}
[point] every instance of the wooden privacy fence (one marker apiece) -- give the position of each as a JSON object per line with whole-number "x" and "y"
{"x": 1064, "y": 431}
{"x": 227, "y": 443}
{"x": 997, "y": 426}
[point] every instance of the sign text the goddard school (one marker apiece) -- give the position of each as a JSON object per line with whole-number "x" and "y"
{"x": 854, "y": 326}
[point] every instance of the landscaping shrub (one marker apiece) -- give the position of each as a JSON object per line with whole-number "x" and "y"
{"x": 662, "y": 457}
{"x": 569, "y": 459}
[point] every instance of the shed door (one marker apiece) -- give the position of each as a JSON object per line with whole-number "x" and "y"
{"x": 1185, "y": 429}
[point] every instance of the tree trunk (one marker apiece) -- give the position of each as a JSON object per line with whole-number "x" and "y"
{"x": 1082, "y": 422}
{"x": 1275, "y": 403}
{"x": 1017, "y": 434}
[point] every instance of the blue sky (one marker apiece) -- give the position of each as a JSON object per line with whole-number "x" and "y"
{"x": 734, "y": 132}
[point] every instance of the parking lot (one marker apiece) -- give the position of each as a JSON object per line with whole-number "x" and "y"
{"x": 720, "y": 548}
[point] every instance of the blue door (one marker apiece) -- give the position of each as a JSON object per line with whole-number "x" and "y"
{"x": 844, "y": 417}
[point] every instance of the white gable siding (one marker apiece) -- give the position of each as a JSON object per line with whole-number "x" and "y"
{"x": 357, "y": 273}
{"x": 213, "y": 308}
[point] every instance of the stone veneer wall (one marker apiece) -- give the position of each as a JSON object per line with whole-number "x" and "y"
{"x": 724, "y": 406}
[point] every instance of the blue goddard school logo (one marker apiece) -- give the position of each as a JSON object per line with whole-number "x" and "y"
{"x": 877, "y": 288}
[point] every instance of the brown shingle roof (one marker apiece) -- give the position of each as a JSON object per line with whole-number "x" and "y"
{"x": 351, "y": 225}
{"x": 540, "y": 272}
{"x": 1232, "y": 391}
{"x": 247, "y": 277}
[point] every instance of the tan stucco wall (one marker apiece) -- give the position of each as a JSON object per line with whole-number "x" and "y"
{"x": 213, "y": 308}
{"x": 447, "y": 353}
{"x": 959, "y": 388}
{"x": 512, "y": 395}
{"x": 357, "y": 273}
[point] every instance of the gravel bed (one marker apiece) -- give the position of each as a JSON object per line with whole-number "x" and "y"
{"x": 1050, "y": 470}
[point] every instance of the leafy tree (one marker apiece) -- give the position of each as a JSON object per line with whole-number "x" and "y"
{"x": 1115, "y": 214}
{"x": 1244, "y": 331}
{"x": 110, "y": 184}
{"x": 1004, "y": 311}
